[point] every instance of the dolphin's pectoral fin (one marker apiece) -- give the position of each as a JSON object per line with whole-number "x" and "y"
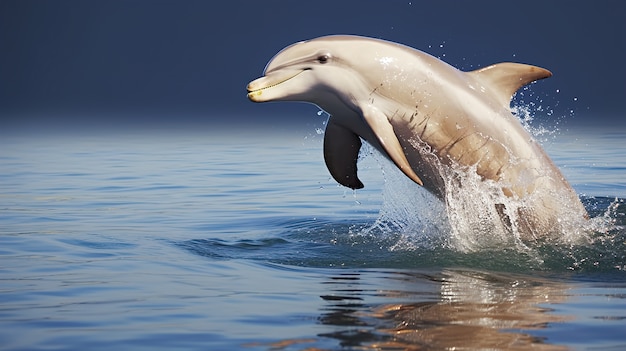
{"x": 387, "y": 137}
{"x": 507, "y": 77}
{"x": 341, "y": 151}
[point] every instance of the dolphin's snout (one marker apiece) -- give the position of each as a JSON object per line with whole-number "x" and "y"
{"x": 255, "y": 90}
{"x": 273, "y": 84}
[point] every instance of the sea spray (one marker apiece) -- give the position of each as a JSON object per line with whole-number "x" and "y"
{"x": 475, "y": 214}
{"x": 409, "y": 211}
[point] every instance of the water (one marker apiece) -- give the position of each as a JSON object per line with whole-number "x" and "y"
{"x": 216, "y": 240}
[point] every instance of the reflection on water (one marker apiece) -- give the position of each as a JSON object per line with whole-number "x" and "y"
{"x": 453, "y": 309}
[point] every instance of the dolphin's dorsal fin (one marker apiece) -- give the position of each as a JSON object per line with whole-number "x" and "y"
{"x": 506, "y": 78}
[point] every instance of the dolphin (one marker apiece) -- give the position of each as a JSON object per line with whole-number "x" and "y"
{"x": 426, "y": 116}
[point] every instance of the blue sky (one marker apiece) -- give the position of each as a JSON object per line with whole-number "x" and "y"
{"x": 153, "y": 61}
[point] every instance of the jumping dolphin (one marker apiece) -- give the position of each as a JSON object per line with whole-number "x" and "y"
{"x": 423, "y": 114}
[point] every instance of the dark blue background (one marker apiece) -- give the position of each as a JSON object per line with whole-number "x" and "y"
{"x": 121, "y": 63}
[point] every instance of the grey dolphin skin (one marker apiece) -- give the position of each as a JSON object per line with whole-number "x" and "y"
{"x": 424, "y": 115}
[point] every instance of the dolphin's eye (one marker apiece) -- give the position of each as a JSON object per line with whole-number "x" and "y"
{"x": 323, "y": 58}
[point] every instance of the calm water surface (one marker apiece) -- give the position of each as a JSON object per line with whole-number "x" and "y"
{"x": 229, "y": 241}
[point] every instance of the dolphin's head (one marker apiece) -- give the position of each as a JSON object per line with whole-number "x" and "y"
{"x": 315, "y": 71}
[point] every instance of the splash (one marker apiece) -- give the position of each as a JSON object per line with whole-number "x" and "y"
{"x": 409, "y": 211}
{"x": 475, "y": 215}
{"x": 414, "y": 226}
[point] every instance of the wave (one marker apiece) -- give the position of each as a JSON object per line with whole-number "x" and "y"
{"x": 352, "y": 244}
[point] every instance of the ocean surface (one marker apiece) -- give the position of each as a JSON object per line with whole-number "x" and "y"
{"x": 222, "y": 240}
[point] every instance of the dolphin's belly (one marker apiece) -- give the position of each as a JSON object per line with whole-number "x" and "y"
{"x": 511, "y": 158}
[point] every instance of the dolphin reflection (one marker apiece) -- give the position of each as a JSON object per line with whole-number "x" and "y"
{"x": 447, "y": 310}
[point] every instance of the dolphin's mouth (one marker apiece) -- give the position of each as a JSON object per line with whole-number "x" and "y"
{"x": 258, "y": 86}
